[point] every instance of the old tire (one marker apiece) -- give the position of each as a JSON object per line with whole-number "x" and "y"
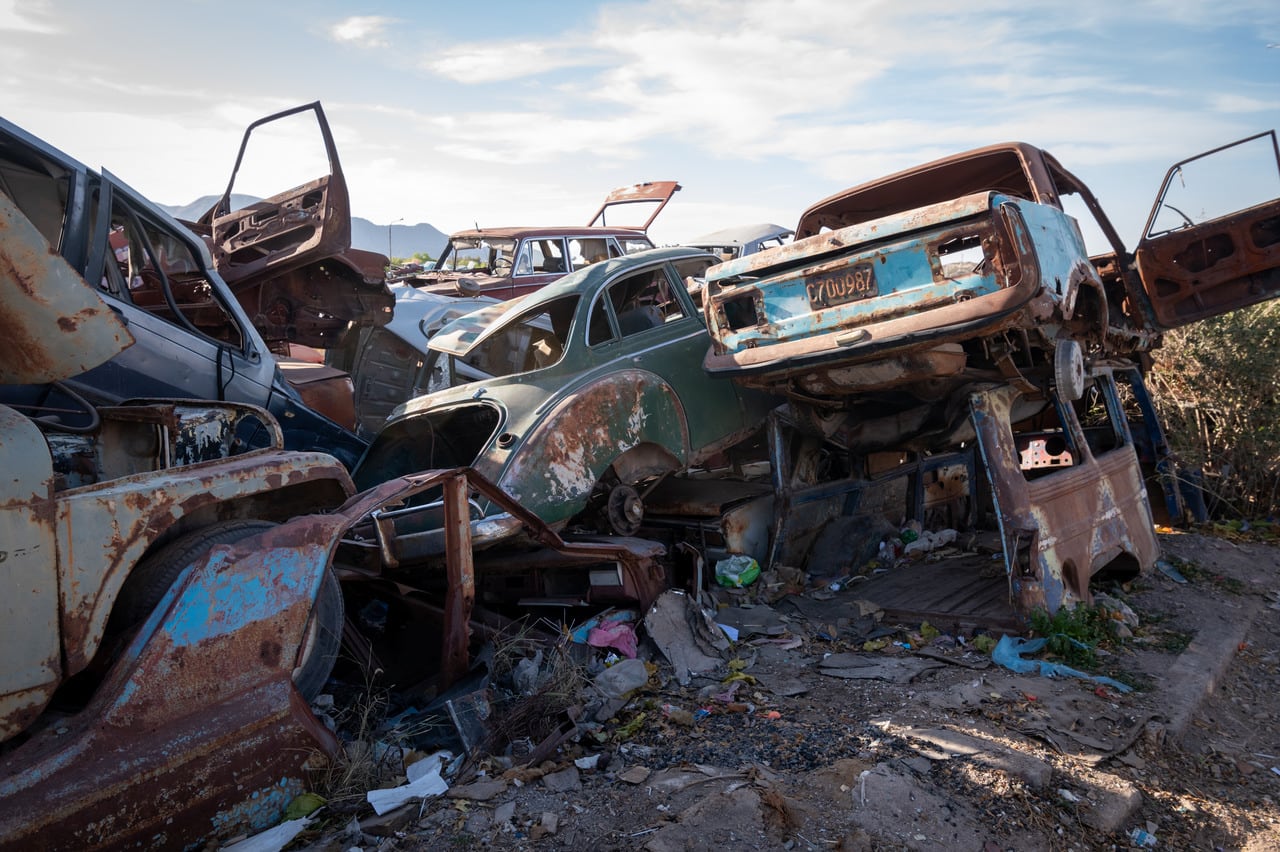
{"x": 152, "y": 577}
{"x": 154, "y": 574}
{"x": 323, "y": 639}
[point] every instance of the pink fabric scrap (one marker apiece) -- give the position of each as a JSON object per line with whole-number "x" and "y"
{"x": 614, "y": 634}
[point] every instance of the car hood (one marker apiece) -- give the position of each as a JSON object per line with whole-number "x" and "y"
{"x": 56, "y": 325}
{"x": 419, "y": 314}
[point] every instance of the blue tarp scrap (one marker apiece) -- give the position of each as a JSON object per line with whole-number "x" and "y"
{"x": 1009, "y": 653}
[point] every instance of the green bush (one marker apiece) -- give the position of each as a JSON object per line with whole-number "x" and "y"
{"x": 1216, "y": 385}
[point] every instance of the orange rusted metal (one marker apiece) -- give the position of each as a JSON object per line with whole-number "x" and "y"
{"x": 461, "y": 591}
{"x": 1062, "y": 525}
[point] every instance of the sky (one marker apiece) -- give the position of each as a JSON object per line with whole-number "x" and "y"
{"x": 528, "y": 113}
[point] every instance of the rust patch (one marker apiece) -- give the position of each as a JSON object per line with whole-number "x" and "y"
{"x": 269, "y": 653}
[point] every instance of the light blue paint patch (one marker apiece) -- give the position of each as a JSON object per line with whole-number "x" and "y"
{"x": 223, "y": 599}
{"x": 259, "y": 811}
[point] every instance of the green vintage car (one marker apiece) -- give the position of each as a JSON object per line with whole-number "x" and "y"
{"x": 575, "y": 397}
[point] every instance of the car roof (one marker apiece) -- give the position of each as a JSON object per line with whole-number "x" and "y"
{"x": 1003, "y": 167}
{"x": 450, "y": 338}
{"x": 740, "y": 235}
{"x": 586, "y": 277}
{"x": 524, "y": 232}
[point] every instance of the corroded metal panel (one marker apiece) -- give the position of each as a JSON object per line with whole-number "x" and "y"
{"x": 563, "y": 457}
{"x": 655, "y": 192}
{"x": 110, "y": 525}
{"x": 1060, "y": 528}
{"x": 55, "y": 325}
{"x": 197, "y": 731}
{"x": 1200, "y": 269}
{"x": 30, "y": 656}
{"x": 461, "y": 592}
{"x": 288, "y": 258}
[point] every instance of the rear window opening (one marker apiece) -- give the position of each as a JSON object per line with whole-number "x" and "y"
{"x": 961, "y": 256}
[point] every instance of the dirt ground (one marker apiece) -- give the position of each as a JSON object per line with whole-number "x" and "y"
{"x": 822, "y": 744}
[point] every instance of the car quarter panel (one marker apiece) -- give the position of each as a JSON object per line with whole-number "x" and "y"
{"x": 559, "y": 460}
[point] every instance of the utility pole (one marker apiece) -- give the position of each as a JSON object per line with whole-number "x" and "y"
{"x": 401, "y": 219}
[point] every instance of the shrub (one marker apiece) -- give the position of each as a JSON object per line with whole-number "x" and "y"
{"x": 1216, "y": 385}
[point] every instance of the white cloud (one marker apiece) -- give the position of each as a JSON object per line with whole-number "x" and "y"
{"x": 362, "y": 30}
{"x": 493, "y": 63}
{"x": 1235, "y": 103}
{"x": 33, "y": 17}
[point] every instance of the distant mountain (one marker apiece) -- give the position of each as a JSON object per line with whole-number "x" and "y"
{"x": 196, "y": 209}
{"x": 406, "y": 240}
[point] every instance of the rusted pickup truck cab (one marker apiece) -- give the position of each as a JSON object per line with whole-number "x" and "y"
{"x": 970, "y": 269}
{"x": 172, "y": 679}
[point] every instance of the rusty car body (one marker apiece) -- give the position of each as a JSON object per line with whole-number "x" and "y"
{"x": 288, "y": 258}
{"x": 193, "y": 339}
{"x": 570, "y": 399}
{"x": 126, "y": 661}
{"x": 1068, "y": 491}
{"x": 507, "y": 262}
{"x": 911, "y": 286}
{"x": 94, "y": 493}
{"x": 184, "y": 744}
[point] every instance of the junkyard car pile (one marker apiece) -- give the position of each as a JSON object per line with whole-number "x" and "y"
{"x": 480, "y": 267}
{"x": 185, "y": 547}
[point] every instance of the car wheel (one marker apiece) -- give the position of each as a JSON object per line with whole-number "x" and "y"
{"x": 323, "y": 640}
{"x": 625, "y": 510}
{"x": 1068, "y": 370}
{"x": 153, "y": 575}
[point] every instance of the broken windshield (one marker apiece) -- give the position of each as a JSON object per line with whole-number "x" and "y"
{"x": 492, "y": 342}
{"x": 491, "y": 255}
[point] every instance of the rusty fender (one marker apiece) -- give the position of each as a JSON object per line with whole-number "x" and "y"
{"x": 197, "y": 731}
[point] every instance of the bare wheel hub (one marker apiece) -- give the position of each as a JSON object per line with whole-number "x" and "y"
{"x": 625, "y": 510}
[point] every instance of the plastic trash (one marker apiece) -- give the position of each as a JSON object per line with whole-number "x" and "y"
{"x": 927, "y": 541}
{"x": 614, "y": 634}
{"x": 737, "y": 571}
{"x": 425, "y": 786}
{"x": 624, "y": 677}
{"x": 273, "y": 839}
{"x": 1166, "y": 568}
{"x": 1009, "y": 651}
{"x": 1143, "y": 838}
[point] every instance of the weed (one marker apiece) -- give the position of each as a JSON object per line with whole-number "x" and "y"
{"x": 1074, "y": 633}
{"x": 1173, "y": 641}
{"x": 372, "y": 755}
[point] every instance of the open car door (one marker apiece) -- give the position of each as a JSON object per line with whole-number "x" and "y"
{"x": 648, "y": 197}
{"x": 288, "y": 258}
{"x": 1212, "y": 241}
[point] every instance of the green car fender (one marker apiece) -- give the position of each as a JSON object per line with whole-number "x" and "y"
{"x": 560, "y": 460}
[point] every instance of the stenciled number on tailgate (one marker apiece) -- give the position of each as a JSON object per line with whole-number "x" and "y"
{"x": 841, "y": 286}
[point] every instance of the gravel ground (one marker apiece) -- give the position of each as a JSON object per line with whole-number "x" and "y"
{"x": 964, "y": 755}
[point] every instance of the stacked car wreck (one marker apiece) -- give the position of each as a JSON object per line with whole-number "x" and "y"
{"x": 955, "y": 302}
{"x": 186, "y": 549}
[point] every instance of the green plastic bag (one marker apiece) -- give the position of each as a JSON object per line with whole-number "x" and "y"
{"x": 737, "y": 571}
